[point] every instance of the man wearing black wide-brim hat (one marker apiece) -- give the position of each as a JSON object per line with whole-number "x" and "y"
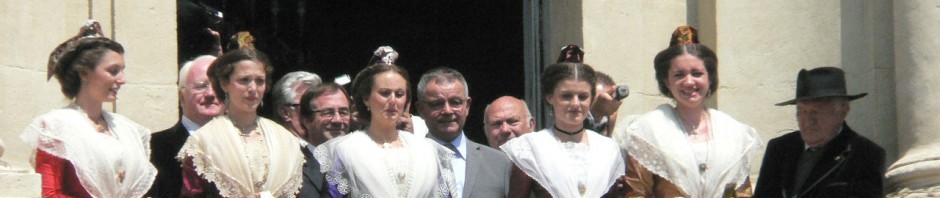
{"x": 825, "y": 158}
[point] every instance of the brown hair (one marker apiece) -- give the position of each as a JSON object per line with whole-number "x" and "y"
{"x": 558, "y": 72}
{"x": 306, "y": 106}
{"x": 663, "y": 62}
{"x": 222, "y": 68}
{"x": 362, "y": 87}
{"x": 75, "y": 56}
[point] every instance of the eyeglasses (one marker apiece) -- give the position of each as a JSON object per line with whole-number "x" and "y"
{"x": 200, "y": 87}
{"x": 454, "y": 103}
{"x": 329, "y": 113}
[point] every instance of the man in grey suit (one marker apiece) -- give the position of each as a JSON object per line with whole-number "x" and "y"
{"x": 443, "y": 102}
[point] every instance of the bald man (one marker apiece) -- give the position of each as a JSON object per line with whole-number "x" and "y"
{"x": 506, "y": 118}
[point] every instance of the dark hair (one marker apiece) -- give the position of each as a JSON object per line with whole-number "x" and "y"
{"x": 663, "y": 62}
{"x": 603, "y": 78}
{"x": 222, "y": 68}
{"x": 362, "y": 87}
{"x": 558, "y": 72}
{"x": 306, "y": 106}
{"x": 80, "y": 55}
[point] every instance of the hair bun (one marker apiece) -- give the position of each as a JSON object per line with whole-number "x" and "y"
{"x": 684, "y": 35}
{"x": 571, "y": 53}
{"x": 91, "y": 29}
{"x": 385, "y": 54}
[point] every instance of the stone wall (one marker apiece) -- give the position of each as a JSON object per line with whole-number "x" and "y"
{"x": 31, "y": 29}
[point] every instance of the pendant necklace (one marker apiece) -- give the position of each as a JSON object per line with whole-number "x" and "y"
{"x": 703, "y": 166}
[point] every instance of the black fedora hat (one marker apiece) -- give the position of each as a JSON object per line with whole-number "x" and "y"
{"x": 821, "y": 82}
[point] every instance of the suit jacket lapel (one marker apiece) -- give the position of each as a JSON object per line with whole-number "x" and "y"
{"x": 474, "y": 162}
{"x": 312, "y": 169}
{"x": 792, "y": 152}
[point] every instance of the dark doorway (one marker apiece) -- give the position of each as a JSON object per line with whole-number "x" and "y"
{"x": 481, "y": 39}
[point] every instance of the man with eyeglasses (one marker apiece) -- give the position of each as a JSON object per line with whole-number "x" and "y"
{"x": 199, "y": 105}
{"x": 286, "y": 98}
{"x": 443, "y": 102}
{"x": 325, "y": 114}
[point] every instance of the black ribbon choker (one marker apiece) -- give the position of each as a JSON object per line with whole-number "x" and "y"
{"x": 569, "y": 133}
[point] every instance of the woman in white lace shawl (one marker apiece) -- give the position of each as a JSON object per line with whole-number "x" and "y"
{"x": 240, "y": 154}
{"x": 82, "y": 150}
{"x": 380, "y": 160}
{"x": 565, "y": 160}
{"x": 687, "y": 150}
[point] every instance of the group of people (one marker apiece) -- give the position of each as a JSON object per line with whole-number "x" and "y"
{"x": 329, "y": 142}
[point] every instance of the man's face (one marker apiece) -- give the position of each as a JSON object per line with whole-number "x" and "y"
{"x": 330, "y": 118}
{"x": 820, "y": 119}
{"x": 444, "y": 108}
{"x": 506, "y": 119}
{"x": 291, "y": 112}
{"x": 197, "y": 97}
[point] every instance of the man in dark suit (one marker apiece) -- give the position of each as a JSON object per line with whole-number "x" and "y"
{"x": 324, "y": 114}
{"x": 199, "y": 105}
{"x": 443, "y": 102}
{"x": 825, "y": 158}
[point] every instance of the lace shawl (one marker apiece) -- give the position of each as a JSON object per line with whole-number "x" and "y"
{"x": 98, "y": 158}
{"x": 351, "y": 165}
{"x": 540, "y": 156}
{"x": 657, "y": 142}
{"x": 219, "y": 156}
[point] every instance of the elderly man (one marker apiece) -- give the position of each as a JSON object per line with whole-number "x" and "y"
{"x": 443, "y": 102}
{"x": 506, "y": 118}
{"x": 324, "y": 112}
{"x": 286, "y": 97}
{"x": 825, "y": 158}
{"x": 199, "y": 105}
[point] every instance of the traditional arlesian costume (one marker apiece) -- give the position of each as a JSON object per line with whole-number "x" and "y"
{"x": 567, "y": 169}
{"x": 236, "y": 167}
{"x": 356, "y": 166}
{"x": 75, "y": 159}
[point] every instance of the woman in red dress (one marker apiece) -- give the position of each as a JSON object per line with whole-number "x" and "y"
{"x": 81, "y": 150}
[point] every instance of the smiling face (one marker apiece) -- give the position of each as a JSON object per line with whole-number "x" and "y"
{"x": 570, "y": 102}
{"x": 330, "y": 118}
{"x": 687, "y": 80}
{"x": 386, "y": 101}
{"x": 444, "y": 108}
{"x": 245, "y": 87}
{"x": 102, "y": 83}
{"x": 197, "y": 96}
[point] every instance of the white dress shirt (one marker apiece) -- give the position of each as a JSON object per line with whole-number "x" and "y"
{"x": 189, "y": 125}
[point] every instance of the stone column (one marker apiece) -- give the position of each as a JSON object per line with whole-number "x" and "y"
{"x": 917, "y": 51}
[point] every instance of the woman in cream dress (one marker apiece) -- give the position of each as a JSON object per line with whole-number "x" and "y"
{"x": 240, "y": 154}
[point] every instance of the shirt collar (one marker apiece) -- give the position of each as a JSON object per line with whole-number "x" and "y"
{"x": 460, "y": 143}
{"x": 806, "y": 146}
{"x": 189, "y": 124}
